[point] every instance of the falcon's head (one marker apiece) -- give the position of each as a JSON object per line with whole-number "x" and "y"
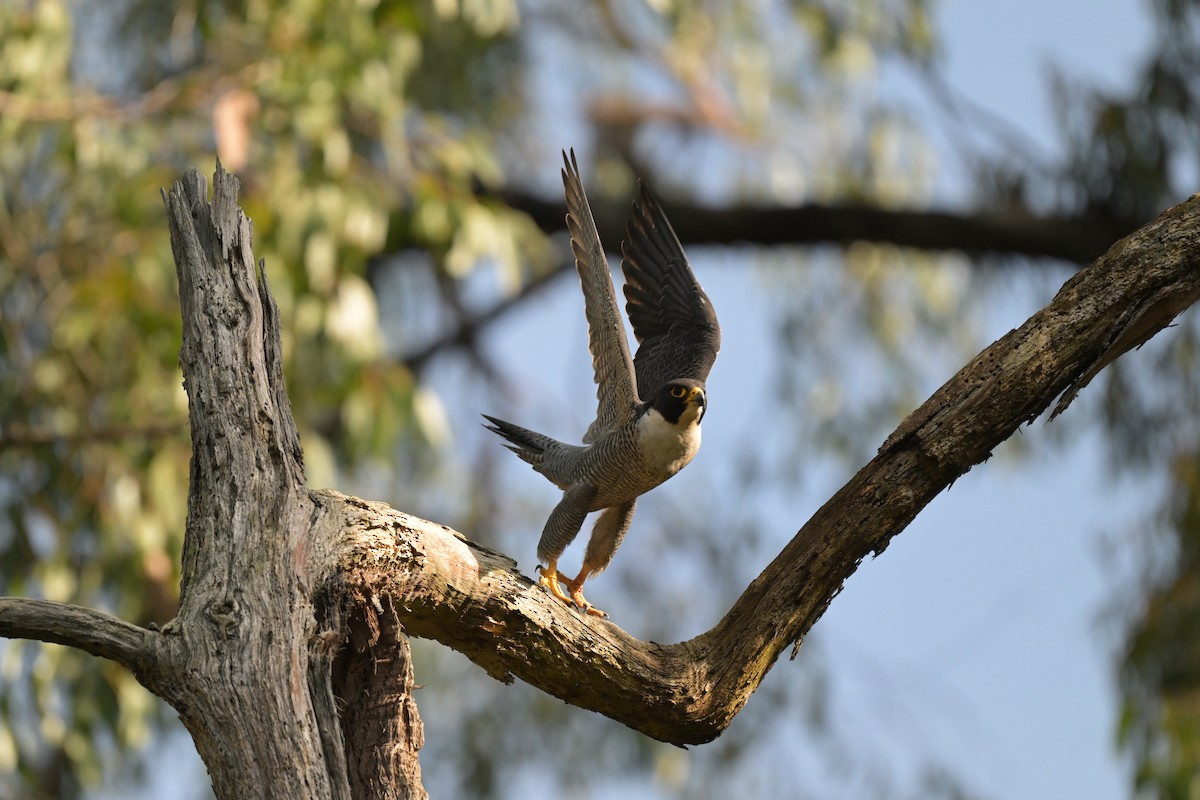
{"x": 680, "y": 402}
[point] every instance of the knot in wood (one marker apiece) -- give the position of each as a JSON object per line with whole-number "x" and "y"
{"x": 226, "y": 615}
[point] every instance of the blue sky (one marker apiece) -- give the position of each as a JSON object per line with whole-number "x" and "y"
{"x": 1006, "y": 573}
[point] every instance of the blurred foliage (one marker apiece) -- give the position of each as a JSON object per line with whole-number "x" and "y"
{"x": 363, "y": 131}
{"x": 1154, "y": 416}
{"x": 1131, "y": 153}
{"x": 355, "y": 126}
{"x": 1160, "y": 675}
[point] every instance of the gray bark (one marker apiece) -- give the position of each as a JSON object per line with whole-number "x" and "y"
{"x": 288, "y": 660}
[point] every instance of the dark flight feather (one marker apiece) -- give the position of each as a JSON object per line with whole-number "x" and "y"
{"x": 672, "y": 318}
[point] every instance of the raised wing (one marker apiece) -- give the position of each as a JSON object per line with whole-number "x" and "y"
{"x": 673, "y": 319}
{"x": 616, "y": 389}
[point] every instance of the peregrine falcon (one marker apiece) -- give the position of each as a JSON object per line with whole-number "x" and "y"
{"x": 647, "y": 424}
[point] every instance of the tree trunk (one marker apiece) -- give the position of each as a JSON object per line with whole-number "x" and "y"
{"x": 263, "y": 677}
{"x": 287, "y": 661}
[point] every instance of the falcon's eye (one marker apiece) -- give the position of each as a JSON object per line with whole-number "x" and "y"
{"x": 678, "y": 391}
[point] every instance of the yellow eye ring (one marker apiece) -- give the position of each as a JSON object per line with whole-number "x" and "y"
{"x": 678, "y": 391}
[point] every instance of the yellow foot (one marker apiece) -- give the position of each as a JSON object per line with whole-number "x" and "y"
{"x": 554, "y": 581}
{"x": 550, "y": 578}
{"x": 580, "y": 603}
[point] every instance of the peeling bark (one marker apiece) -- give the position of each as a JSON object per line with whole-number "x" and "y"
{"x": 375, "y": 677}
{"x": 288, "y": 660}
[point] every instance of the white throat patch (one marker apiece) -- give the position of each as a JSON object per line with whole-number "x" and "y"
{"x": 667, "y": 448}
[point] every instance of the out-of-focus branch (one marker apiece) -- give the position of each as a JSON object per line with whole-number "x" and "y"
{"x": 1075, "y": 239}
{"x": 464, "y": 335}
{"x": 1072, "y": 239}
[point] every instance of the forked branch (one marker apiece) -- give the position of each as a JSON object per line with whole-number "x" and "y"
{"x": 474, "y": 600}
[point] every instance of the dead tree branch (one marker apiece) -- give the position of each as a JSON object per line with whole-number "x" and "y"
{"x": 474, "y": 601}
{"x": 86, "y": 629}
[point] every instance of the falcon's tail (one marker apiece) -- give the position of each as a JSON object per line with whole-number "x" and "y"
{"x": 529, "y": 445}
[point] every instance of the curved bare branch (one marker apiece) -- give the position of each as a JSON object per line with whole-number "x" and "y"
{"x": 89, "y": 630}
{"x": 475, "y": 601}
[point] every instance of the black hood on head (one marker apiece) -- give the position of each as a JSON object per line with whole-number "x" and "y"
{"x": 675, "y": 396}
